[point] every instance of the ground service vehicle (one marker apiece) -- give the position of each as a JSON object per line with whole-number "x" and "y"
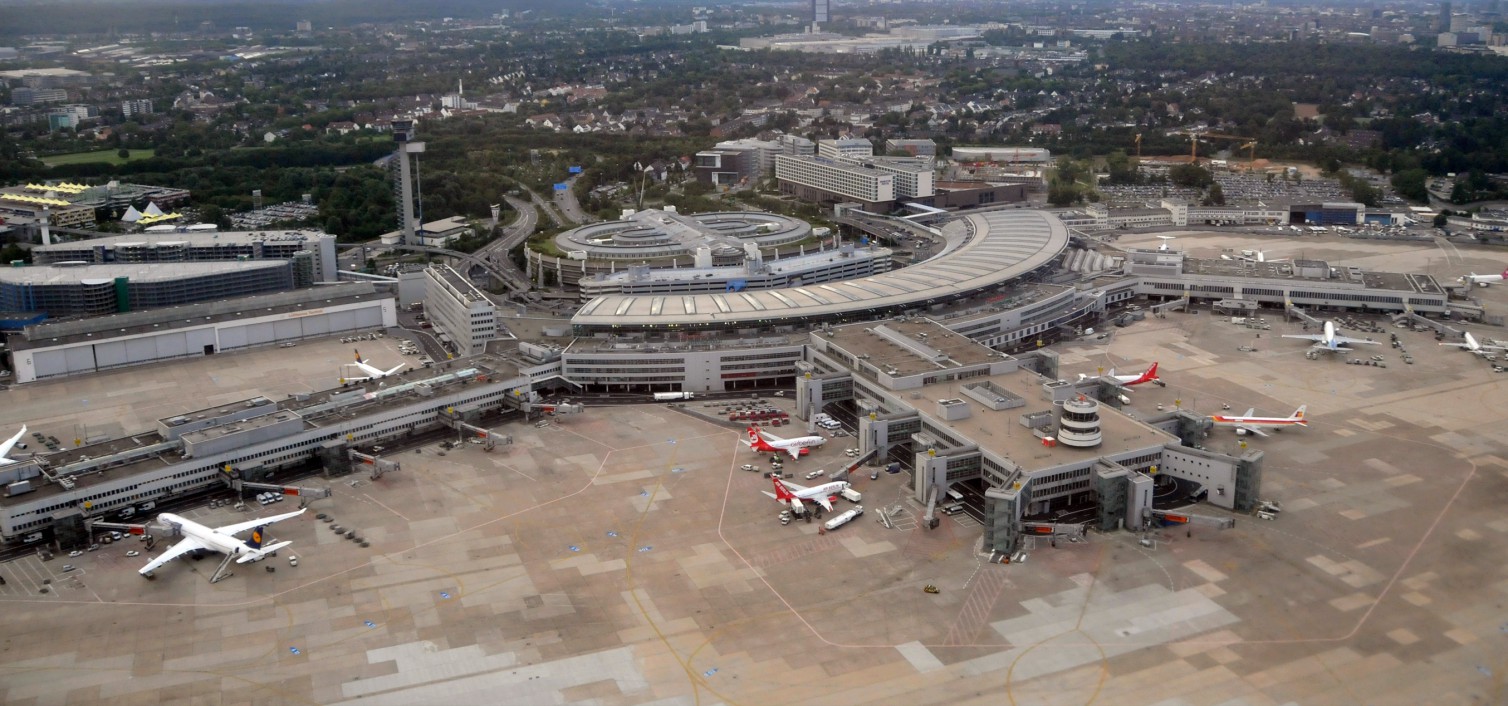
{"x": 668, "y": 396}
{"x": 844, "y": 518}
{"x": 851, "y": 495}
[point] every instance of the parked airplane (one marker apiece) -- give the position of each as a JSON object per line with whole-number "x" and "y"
{"x": 1471, "y": 345}
{"x": 1483, "y": 280}
{"x": 1129, "y": 380}
{"x": 1260, "y": 256}
{"x": 10, "y": 444}
{"x": 1329, "y": 341}
{"x": 793, "y": 494}
{"x": 372, "y": 372}
{"x": 1247, "y": 424}
{"x": 769, "y": 443}
{"x": 1165, "y": 238}
{"x": 197, "y": 537}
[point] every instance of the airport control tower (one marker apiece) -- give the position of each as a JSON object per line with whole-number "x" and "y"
{"x": 403, "y": 135}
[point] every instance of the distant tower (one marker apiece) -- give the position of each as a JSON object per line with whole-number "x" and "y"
{"x": 1444, "y": 17}
{"x": 403, "y": 134}
{"x": 819, "y": 14}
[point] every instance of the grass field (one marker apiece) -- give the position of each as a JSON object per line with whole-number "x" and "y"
{"x": 102, "y": 156}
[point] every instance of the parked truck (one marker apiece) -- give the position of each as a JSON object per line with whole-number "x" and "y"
{"x": 852, "y": 495}
{"x": 668, "y": 396}
{"x": 844, "y": 518}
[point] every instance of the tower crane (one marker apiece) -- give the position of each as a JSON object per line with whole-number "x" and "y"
{"x": 1194, "y": 137}
{"x": 1138, "y": 147}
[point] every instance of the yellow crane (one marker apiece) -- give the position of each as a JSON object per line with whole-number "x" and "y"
{"x": 1138, "y": 147}
{"x": 1194, "y": 137}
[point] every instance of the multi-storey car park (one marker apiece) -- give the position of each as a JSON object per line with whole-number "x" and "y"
{"x": 194, "y": 246}
{"x": 667, "y": 239}
{"x": 94, "y": 290}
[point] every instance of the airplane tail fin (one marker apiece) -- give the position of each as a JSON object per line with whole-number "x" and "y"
{"x": 255, "y": 554}
{"x": 781, "y": 492}
{"x": 1150, "y": 375}
{"x": 1299, "y": 414}
{"x": 358, "y": 355}
{"x": 255, "y": 541}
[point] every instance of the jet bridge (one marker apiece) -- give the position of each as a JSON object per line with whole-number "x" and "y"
{"x": 1167, "y": 518}
{"x": 379, "y": 465}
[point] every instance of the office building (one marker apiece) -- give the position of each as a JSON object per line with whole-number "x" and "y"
{"x": 853, "y": 147}
{"x": 134, "y": 108}
{"x": 23, "y": 95}
{"x": 463, "y": 317}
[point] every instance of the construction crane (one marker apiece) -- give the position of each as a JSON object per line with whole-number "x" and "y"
{"x": 1194, "y": 137}
{"x": 1138, "y": 147}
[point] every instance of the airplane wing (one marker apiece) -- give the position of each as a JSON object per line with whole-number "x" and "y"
{"x": 243, "y": 526}
{"x": 1251, "y": 429}
{"x": 1317, "y": 338}
{"x": 10, "y": 444}
{"x": 794, "y": 452}
{"x": 1342, "y": 340}
{"x": 1452, "y": 345}
{"x": 361, "y": 378}
{"x": 825, "y": 503}
{"x": 792, "y": 487}
{"x": 182, "y": 547}
{"x": 372, "y": 370}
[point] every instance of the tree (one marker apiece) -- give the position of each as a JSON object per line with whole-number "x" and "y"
{"x": 1441, "y": 219}
{"x": 123, "y": 153}
{"x": 1459, "y": 194}
{"x": 1216, "y": 196}
{"x": 1191, "y": 175}
{"x": 1410, "y": 184}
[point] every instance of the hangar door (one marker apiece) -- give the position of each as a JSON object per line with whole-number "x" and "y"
{"x": 342, "y": 320}
{"x": 50, "y": 363}
{"x": 111, "y": 354}
{"x": 232, "y": 337}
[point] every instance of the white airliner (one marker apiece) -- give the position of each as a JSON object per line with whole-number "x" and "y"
{"x": 1471, "y": 345}
{"x": 793, "y": 494}
{"x": 1129, "y": 380}
{"x": 1247, "y": 424}
{"x": 372, "y": 372}
{"x": 1330, "y": 341}
{"x": 10, "y": 444}
{"x": 1483, "y": 280}
{"x": 1165, "y": 238}
{"x": 218, "y": 539}
{"x": 769, "y": 443}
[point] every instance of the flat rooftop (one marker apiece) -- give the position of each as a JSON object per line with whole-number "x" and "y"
{"x": 910, "y": 347}
{"x": 785, "y": 265}
{"x": 38, "y": 275}
{"x": 1001, "y": 432}
{"x": 195, "y": 238}
{"x": 1283, "y": 270}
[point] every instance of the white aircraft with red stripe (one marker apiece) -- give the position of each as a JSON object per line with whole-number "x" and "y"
{"x": 10, "y": 444}
{"x": 1247, "y": 424}
{"x": 793, "y": 494}
{"x": 1128, "y": 380}
{"x": 769, "y": 443}
{"x": 1483, "y": 280}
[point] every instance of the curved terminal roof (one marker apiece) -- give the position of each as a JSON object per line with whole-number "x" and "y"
{"x": 999, "y": 247}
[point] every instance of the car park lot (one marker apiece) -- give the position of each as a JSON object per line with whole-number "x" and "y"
{"x": 621, "y": 556}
